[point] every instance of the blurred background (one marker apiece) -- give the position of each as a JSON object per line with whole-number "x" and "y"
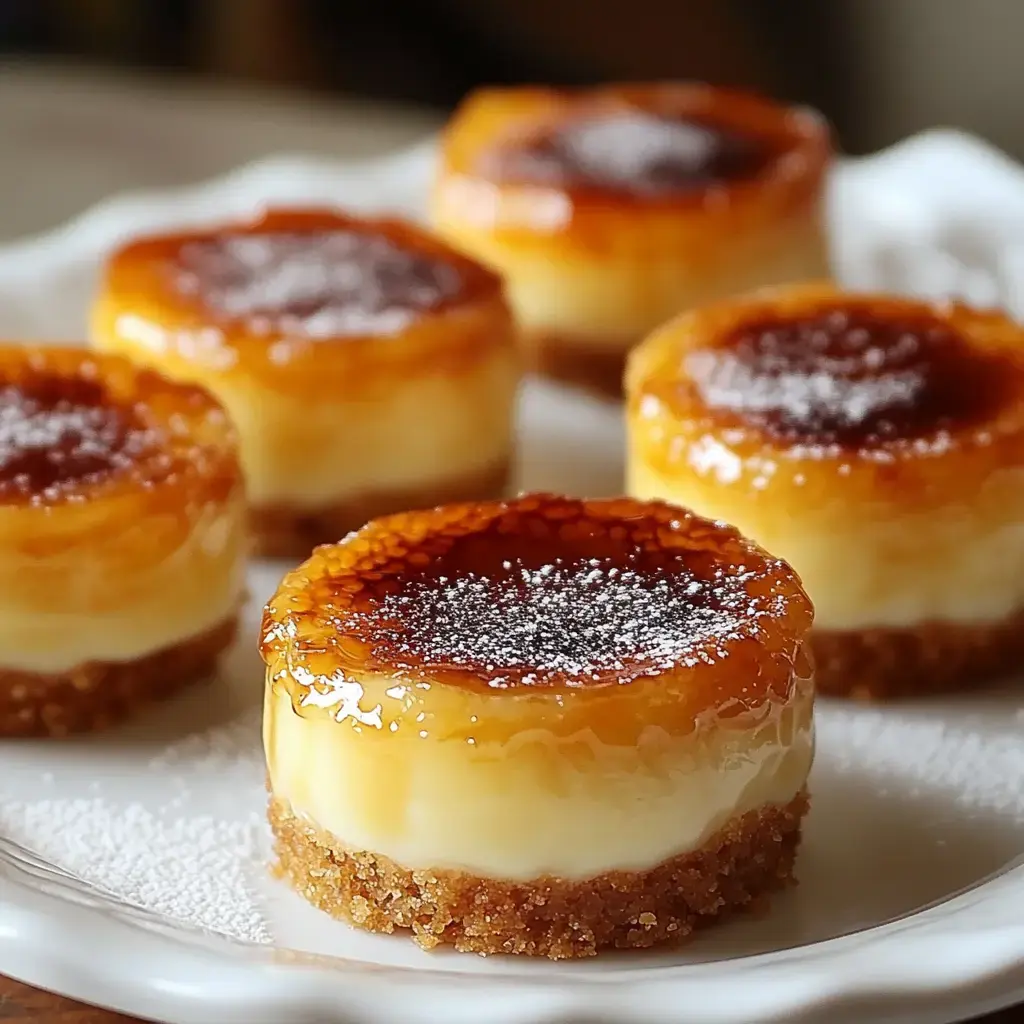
{"x": 97, "y": 96}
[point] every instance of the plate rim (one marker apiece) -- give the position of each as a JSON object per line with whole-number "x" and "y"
{"x": 909, "y": 963}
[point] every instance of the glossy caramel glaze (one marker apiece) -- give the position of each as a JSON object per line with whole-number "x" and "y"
{"x": 647, "y": 147}
{"x": 296, "y": 292}
{"x": 629, "y": 151}
{"x": 544, "y": 595}
{"x": 56, "y": 432}
{"x": 327, "y": 282}
{"x": 74, "y": 425}
{"x": 785, "y": 385}
{"x": 851, "y": 374}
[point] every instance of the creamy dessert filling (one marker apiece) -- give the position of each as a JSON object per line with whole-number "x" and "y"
{"x": 423, "y": 431}
{"x": 80, "y": 605}
{"x": 536, "y": 803}
{"x": 882, "y": 572}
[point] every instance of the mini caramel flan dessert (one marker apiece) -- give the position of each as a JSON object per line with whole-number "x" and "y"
{"x": 611, "y": 210}
{"x": 368, "y": 367}
{"x": 875, "y": 443}
{"x": 541, "y": 726}
{"x": 122, "y": 538}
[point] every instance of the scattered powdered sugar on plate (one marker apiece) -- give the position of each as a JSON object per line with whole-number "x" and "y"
{"x": 197, "y": 871}
{"x": 974, "y": 769}
{"x": 232, "y": 746}
{"x": 208, "y": 870}
{"x": 188, "y": 839}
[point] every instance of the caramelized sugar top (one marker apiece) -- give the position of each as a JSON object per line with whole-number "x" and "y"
{"x": 850, "y": 375}
{"x": 58, "y": 432}
{"x": 322, "y": 282}
{"x": 537, "y": 592}
{"x": 632, "y": 150}
{"x": 72, "y": 421}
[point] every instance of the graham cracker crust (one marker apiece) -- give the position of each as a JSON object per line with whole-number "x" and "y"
{"x": 285, "y": 531}
{"x": 99, "y": 693}
{"x": 933, "y": 658}
{"x": 752, "y": 856}
{"x": 573, "y": 361}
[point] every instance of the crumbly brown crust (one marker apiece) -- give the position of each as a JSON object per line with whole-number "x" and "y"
{"x": 99, "y": 693}
{"x": 559, "y": 919}
{"x": 284, "y": 531}
{"x": 939, "y": 657}
{"x": 571, "y": 360}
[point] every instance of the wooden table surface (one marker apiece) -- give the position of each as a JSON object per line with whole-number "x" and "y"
{"x": 122, "y": 132}
{"x": 20, "y": 1004}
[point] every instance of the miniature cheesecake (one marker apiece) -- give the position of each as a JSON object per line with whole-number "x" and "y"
{"x": 122, "y": 538}
{"x": 542, "y": 726}
{"x": 609, "y": 211}
{"x": 877, "y": 444}
{"x": 368, "y": 367}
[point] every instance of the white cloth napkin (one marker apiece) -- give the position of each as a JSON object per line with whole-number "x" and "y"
{"x": 939, "y": 214}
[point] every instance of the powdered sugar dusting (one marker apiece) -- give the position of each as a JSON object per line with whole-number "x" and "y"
{"x": 627, "y": 148}
{"x": 194, "y": 870}
{"x": 851, "y": 378}
{"x": 189, "y": 840}
{"x": 728, "y": 382}
{"x": 234, "y": 746}
{"x": 975, "y": 766}
{"x": 576, "y": 619}
{"x": 316, "y": 285}
{"x": 634, "y": 150}
{"x": 58, "y": 434}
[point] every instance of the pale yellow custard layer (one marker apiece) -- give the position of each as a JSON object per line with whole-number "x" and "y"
{"x": 312, "y": 450}
{"x": 532, "y": 803}
{"x": 105, "y": 581}
{"x": 356, "y": 357}
{"x": 611, "y": 298}
{"x": 878, "y": 566}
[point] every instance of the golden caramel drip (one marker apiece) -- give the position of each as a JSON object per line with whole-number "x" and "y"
{"x": 851, "y": 376}
{"x": 74, "y": 424}
{"x": 631, "y": 150}
{"x": 540, "y": 593}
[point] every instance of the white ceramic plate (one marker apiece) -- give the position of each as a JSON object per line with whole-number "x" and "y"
{"x": 131, "y": 864}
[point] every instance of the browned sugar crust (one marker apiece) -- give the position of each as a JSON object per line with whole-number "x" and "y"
{"x": 285, "y": 531}
{"x": 935, "y": 657}
{"x": 573, "y": 361}
{"x": 99, "y": 693}
{"x": 752, "y": 856}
